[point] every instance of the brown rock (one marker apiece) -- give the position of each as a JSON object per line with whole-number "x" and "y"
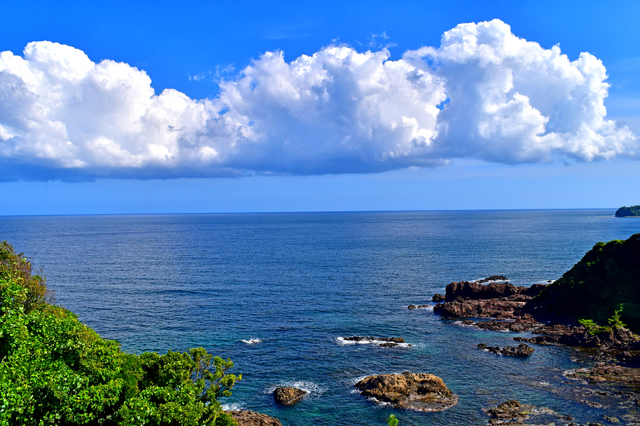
{"x": 288, "y": 396}
{"x": 511, "y": 409}
{"x": 417, "y": 306}
{"x": 250, "y": 418}
{"x": 513, "y": 412}
{"x": 522, "y": 350}
{"x": 419, "y": 392}
{"x": 504, "y": 308}
{"x": 438, "y": 298}
{"x": 626, "y": 376}
{"x": 475, "y": 291}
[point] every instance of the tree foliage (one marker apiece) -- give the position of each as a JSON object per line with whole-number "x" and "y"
{"x": 54, "y": 370}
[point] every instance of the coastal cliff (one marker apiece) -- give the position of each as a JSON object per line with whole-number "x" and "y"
{"x": 628, "y": 211}
{"x": 607, "y": 279}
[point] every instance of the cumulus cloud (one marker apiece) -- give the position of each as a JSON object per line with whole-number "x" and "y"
{"x": 483, "y": 94}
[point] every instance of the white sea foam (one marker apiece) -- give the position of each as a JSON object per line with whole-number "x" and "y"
{"x": 425, "y": 307}
{"x": 377, "y": 401}
{"x": 574, "y": 370}
{"x": 343, "y": 341}
{"x": 355, "y": 380}
{"x": 236, "y": 406}
{"x": 312, "y": 389}
{"x": 251, "y": 341}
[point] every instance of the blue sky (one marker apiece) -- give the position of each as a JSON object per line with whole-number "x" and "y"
{"x": 380, "y": 114}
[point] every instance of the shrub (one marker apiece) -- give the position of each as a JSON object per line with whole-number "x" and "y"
{"x": 56, "y": 370}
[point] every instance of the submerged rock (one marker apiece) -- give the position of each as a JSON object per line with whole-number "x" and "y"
{"x": 522, "y": 350}
{"x": 613, "y": 339}
{"x": 418, "y": 306}
{"x": 514, "y": 413}
{"x": 288, "y": 396}
{"x": 625, "y": 376}
{"x": 384, "y": 342}
{"x": 511, "y": 409}
{"x": 418, "y": 392}
{"x": 250, "y": 418}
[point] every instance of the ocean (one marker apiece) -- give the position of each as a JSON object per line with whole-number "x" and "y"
{"x": 276, "y": 292}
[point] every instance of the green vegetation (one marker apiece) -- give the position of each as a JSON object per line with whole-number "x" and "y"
{"x": 593, "y": 328}
{"x": 628, "y": 211}
{"x": 603, "y": 286}
{"x": 392, "y": 420}
{"x": 54, "y": 370}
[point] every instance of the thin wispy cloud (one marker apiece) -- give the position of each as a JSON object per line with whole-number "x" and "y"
{"x": 482, "y": 94}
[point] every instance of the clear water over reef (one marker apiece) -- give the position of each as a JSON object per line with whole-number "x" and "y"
{"x": 299, "y": 281}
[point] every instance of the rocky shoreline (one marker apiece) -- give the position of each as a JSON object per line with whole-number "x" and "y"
{"x": 501, "y": 306}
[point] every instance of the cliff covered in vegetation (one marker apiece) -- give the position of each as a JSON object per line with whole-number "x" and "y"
{"x": 56, "y": 370}
{"x": 606, "y": 280}
{"x": 628, "y": 211}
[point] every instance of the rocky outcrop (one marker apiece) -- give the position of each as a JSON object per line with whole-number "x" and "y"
{"x": 411, "y": 307}
{"x": 522, "y": 350}
{"x": 614, "y": 339}
{"x": 288, "y": 396}
{"x": 438, "y": 298}
{"x": 385, "y": 342}
{"x": 508, "y": 311}
{"x": 466, "y": 299}
{"x": 418, "y": 392}
{"x": 250, "y": 418}
{"x": 519, "y": 325}
{"x": 511, "y": 410}
{"x": 514, "y": 413}
{"x": 476, "y": 290}
{"x": 602, "y": 373}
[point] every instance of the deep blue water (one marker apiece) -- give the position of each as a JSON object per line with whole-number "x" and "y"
{"x": 299, "y": 281}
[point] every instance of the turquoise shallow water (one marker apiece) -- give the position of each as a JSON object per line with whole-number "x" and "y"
{"x": 298, "y": 282}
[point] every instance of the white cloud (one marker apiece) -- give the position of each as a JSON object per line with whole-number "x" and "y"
{"x": 337, "y": 111}
{"x": 513, "y": 101}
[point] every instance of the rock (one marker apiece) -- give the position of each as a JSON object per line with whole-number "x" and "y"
{"x": 511, "y": 409}
{"x": 384, "y": 342}
{"x": 438, "y": 298}
{"x": 493, "y": 278}
{"x": 533, "y": 290}
{"x": 418, "y": 306}
{"x": 492, "y": 349}
{"x": 288, "y": 396}
{"x": 418, "y": 392}
{"x": 520, "y": 325}
{"x": 466, "y": 299}
{"x": 522, "y": 350}
{"x": 614, "y": 340}
{"x": 250, "y": 418}
{"x": 475, "y": 291}
{"x": 514, "y": 413}
{"x": 505, "y": 308}
{"x": 626, "y": 376}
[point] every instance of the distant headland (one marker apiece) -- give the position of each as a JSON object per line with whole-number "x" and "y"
{"x": 628, "y": 211}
